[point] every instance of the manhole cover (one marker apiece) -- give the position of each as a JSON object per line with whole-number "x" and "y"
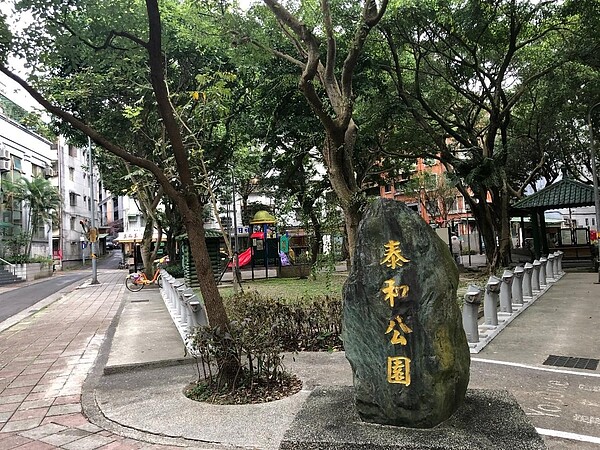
{"x": 570, "y": 361}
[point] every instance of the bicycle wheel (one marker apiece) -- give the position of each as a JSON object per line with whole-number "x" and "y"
{"x": 159, "y": 281}
{"x": 132, "y": 285}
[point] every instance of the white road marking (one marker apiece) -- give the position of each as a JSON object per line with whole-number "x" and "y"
{"x": 542, "y": 369}
{"x": 566, "y": 435}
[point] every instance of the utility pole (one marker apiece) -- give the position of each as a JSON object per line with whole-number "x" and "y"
{"x": 236, "y": 262}
{"x": 93, "y": 230}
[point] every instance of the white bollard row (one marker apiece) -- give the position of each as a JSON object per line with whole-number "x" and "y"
{"x": 504, "y": 298}
{"x": 186, "y": 309}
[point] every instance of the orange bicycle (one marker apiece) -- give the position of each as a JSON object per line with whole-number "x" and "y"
{"x": 136, "y": 281}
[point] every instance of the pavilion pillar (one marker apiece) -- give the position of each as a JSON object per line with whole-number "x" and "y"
{"x": 535, "y": 232}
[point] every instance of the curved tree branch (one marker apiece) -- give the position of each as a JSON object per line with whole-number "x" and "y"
{"x": 94, "y": 135}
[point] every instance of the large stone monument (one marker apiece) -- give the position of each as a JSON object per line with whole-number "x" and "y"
{"x": 402, "y": 327}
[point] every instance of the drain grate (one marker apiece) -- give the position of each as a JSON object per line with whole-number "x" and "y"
{"x": 570, "y": 361}
{"x": 141, "y": 300}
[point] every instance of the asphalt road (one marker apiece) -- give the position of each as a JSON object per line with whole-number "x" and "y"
{"x": 559, "y": 403}
{"x": 18, "y": 297}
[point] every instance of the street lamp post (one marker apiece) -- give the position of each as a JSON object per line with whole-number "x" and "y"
{"x": 595, "y": 181}
{"x": 93, "y": 240}
{"x": 236, "y": 262}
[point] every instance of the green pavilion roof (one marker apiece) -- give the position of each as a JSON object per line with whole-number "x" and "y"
{"x": 565, "y": 193}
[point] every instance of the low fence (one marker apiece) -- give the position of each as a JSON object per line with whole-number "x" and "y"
{"x": 33, "y": 271}
{"x": 186, "y": 308}
{"x": 506, "y": 297}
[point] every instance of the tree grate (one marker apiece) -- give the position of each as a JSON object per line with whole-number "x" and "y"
{"x": 570, "y": 361}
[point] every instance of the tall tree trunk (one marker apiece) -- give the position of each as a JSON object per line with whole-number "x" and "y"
{"x": 505, "y": 244}
{"x": 192, "y": 218}
{"x": 315, "y": 245}
{"x": 146, "y": 247}
{"x": 217, "y": 315}
{"x": 338, "y": 146}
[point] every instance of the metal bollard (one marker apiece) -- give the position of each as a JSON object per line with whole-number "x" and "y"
{"x": 172, "y": 294}
{"x": 181, "y": 308}
{"x": 505, "y": 292}
{"x": 168, "y": 281}
{"x": 527, "y": 275}
{"x": 490, "y": 301}
{"x": 176, "y": 303}
{"x": 535, "y": 278}
{"x": 560, "y": 257}
{"x": 470, "y": 313}
{"x": 188, "y": 321}
{"x": 199, "y": 318}
{"x": 189, "y": 318}
{"x": 543, "y": 263}
{"x": 556, "y": 264}
{"x": 550, "y": 268}
{"x": 517, "y": 285}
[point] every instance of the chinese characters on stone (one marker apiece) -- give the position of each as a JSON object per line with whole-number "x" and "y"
{"x": 398, "y": 367}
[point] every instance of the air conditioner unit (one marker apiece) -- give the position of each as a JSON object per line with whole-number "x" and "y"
{"x": 49, "y": 172}
{"x": 4, "y": 166}
{"x": 4, "y": 153}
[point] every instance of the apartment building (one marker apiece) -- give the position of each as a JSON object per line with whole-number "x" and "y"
{"x": 440, "y": 206}
{"x": 23, "y": 154}
{"x": 74, "y": 183}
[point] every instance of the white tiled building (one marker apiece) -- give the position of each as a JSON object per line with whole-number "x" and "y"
{"x": 23, "y": 153}
{"x": 74, "y": 184}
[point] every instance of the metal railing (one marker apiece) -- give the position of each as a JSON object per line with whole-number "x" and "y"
{"x": 12, "y": 266}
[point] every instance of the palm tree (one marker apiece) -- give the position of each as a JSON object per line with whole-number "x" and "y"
{"x": 41, "y": 198}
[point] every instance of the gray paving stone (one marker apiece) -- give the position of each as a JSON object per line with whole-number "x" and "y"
{"x": 60, "y": 410}
{"x": 65, "y": 437}
{"x": 90, "y": 442}
{"x": 21, "y": 425}
{"x": 17, "y": 398}
{"x": 43, "y": 431}
{"x": 33, "y": 404}
{"x": 89, "y": 427}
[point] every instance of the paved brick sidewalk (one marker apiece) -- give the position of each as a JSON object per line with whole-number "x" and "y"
{"x": 44, "y": 361}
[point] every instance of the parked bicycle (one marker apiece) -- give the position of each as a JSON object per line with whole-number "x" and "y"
{"x": 137, "y": 280}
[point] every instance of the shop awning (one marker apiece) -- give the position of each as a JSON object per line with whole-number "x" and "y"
{"x": 125, "y": 237}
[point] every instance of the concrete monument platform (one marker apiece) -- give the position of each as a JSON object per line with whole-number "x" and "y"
{"x": 487, "y": 420}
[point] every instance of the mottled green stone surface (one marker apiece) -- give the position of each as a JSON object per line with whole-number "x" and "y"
{"x": 436, "y": 344}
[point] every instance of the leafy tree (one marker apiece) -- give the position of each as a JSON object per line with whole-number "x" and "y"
{"x": 41, "y": 199}
{"x": 103, "y": 52}
{"x": 327, "y": 83}
{"x": 435, "y": 194}
{"x": 547, "y": 126}
{"x": 460, "y": 68}
{"x": 122, "y": 178}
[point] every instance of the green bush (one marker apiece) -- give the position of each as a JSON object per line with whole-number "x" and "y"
{"x": 261, "y": 329}
{"x": 174, "y": 269}
{"x": 249, "y": 343}
{"x": 304, "y": 324}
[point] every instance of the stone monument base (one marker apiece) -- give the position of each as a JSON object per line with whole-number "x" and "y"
{"x": 486, "y": 420}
